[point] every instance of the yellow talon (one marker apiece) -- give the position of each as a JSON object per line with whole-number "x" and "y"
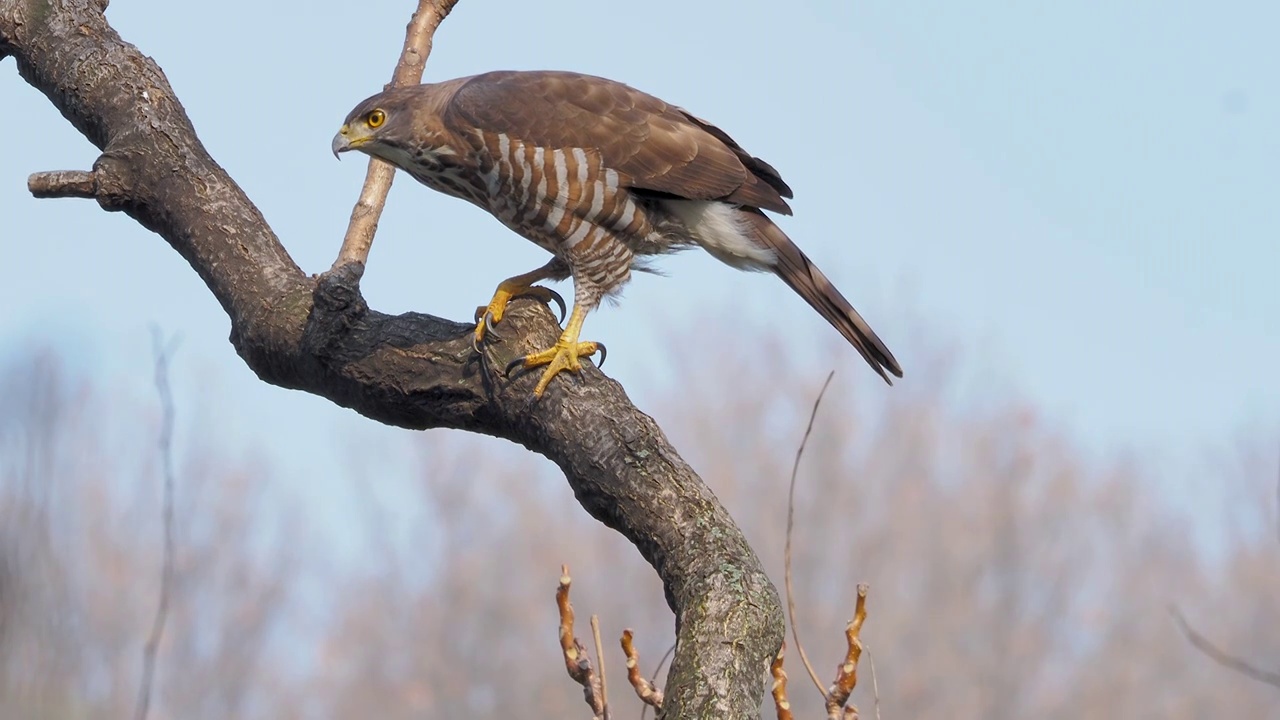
{"x": 564, "y": 355}
{"x": 492, "y": 313}
{"x": 520, "y": 286}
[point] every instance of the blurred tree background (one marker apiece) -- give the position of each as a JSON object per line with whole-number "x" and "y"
{"x": 1012, "y": 575}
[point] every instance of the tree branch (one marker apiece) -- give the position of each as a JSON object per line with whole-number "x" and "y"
{"x": 377, "y": 180}
{"x": 412, "y": 370}
{"x": 63, "y": 184}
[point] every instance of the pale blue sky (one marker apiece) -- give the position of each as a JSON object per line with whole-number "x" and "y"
{"x": 1084, "y": 196}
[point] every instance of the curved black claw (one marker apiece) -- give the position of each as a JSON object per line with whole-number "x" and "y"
{"x": 536, "y": 294}
{"x": 604, "y": 353}
{"x": 560, "y": 301}
{"x": 512, "y": 365}
{"x": 489, "y": 330}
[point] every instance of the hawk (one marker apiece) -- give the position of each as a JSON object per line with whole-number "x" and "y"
{"x": 601, "y": 176}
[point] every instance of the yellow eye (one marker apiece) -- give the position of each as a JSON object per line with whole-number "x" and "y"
{"x": 376, "y": 118}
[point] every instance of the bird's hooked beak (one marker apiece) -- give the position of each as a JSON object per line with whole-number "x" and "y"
{"x": 340, "y": 142}
{"x": 346, "y": 140}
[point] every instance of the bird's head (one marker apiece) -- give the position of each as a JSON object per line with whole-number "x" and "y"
{"x": 370, "y": 125}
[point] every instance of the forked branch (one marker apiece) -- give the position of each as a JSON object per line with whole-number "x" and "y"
{"x": 595, "y": 688}
{"x": 576, "y": 660}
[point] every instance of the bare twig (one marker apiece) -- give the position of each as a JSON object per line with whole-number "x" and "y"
{"x": 847, "y": 674}
{"x": 780, "y": 701}
{"x": 1219, "y": 656}
{"x": 644, "y": 712}
{"x": 604, "y": 677}
{"x": 837, "y": 696}
{"x": 875, "y": 683}
{"x": 663, "y": 661}
{"x": 786, "y": 562}
{"x": 576, "y": 661}
{"x": 162, "y": 352}
{"x": 648, "y": 693}
{"x": 377, "y": 181}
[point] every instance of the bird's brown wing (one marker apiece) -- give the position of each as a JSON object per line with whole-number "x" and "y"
{"x": 658, "y": 147}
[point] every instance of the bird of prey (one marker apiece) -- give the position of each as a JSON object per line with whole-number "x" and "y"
{"x": 601, "y": 176}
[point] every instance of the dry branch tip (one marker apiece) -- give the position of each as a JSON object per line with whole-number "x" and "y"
{"x": 576, "y": 661}
{"x": 645, "y": 690}
{"x": 63, "y": 184}
{"x": 847, "y": 674}
{"x": 779, "y": 690}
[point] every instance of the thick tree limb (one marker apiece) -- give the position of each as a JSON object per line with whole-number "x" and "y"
{"x": 412, "y": 370}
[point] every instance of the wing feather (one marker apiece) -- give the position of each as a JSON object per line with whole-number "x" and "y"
{"x": 653, "y": 145}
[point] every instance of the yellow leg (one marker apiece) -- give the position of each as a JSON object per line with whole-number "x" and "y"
{"x": 563, "y": 355}
{"x": 519, "y": 286}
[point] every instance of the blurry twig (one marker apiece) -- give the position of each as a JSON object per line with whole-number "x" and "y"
{"x": 575, "y": 656}
{"x": 162, "y": 352}
{"x": 836, "y": 698}
{"x": 875, "y": 684}
{"x": 1219, "y": 656}
{"x": 786, "y": 556}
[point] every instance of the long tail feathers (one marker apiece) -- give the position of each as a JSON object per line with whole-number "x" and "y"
{"x": 801, "y": 275}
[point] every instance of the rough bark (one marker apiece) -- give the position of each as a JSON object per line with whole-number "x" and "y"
{"x": 411, "y": 370}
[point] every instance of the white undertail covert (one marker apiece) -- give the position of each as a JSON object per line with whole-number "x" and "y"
{"x": 716, "y": 226}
